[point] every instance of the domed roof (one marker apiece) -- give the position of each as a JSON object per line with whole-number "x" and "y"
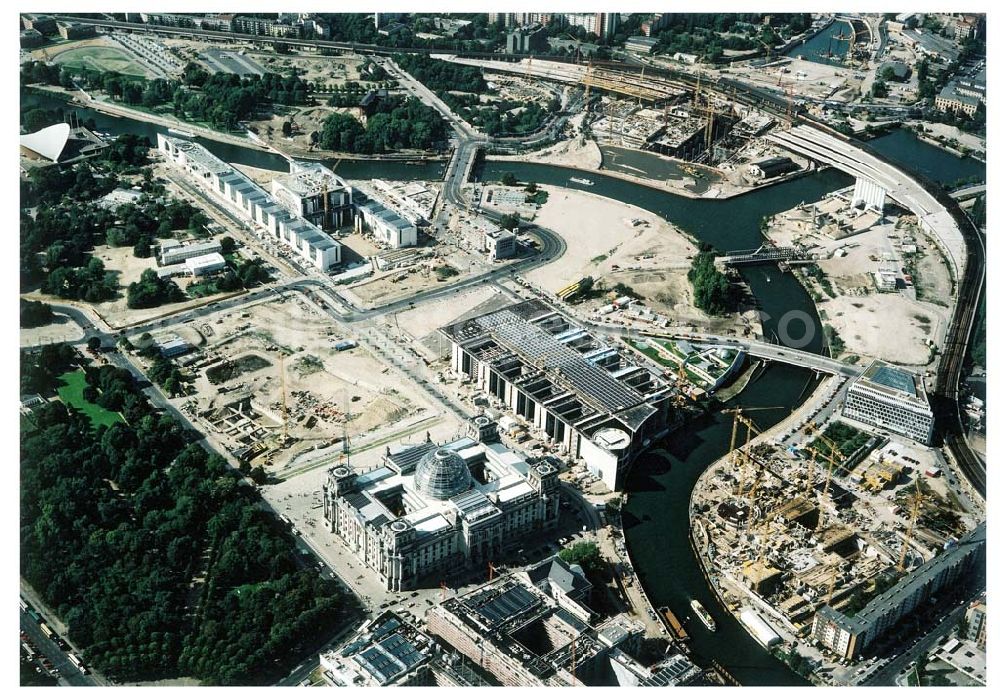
{"x": 442, "y": 474}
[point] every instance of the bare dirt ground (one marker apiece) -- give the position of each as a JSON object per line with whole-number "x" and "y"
{"x": 324, "y": 388}
{"x": 574, "y": 153}
{"x": 887, "y": 326}
{"x": 600, "y": 233}
{"x": 893, "y": 326}
{"x": 396, "y": 284}
{"x": 61, "y": 329}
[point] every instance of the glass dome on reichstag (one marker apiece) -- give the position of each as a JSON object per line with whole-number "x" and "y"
{"x": 442, "y": 474}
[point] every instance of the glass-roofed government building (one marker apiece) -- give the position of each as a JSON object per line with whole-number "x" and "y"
{"x": 433, "y": 511}
{"x": 893, "y": 399}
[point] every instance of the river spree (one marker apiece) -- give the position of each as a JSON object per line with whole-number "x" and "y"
{"x": 656, "y": 515}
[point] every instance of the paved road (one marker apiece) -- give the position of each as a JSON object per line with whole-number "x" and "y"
{"x": 69, "y": 674}
{"x": 886, "y": 673}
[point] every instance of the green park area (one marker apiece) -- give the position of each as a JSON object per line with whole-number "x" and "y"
{"x": 102, "y": 59}
{"x": 72, "y": 394}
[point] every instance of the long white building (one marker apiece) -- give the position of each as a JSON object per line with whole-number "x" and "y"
{"x": 258, "y": 207}
{"x": 892, "y": 399}
{"x": 584, "y": 395}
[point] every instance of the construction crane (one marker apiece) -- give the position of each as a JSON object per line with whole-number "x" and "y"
{"x": 586, "y": 81}
{"x": 284, "y": 399}
{"x": 833, "y": 587}
{"x": 736, "y": 454}
{"x": 918, "y": 497}
{"x": 528, "y": 73}
{"x": 492, "y": 569}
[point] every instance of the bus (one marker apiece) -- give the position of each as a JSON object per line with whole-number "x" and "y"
{"x": 28, "y": 650}
{"x": 47, "y": 631}
{"x": 33, "y": 614}
{"x": 78, "y": 663}
{"x": 23, "y": 603}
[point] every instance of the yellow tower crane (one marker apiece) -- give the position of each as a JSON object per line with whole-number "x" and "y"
{"x": 833, "y": 587}
{"x": 586, "y": 81}
{"x": 914, "y": 513}
{"x": 834, "y": 458}
{"x": 736, "y": 456}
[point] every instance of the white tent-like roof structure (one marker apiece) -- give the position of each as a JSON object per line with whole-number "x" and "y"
{"x": 48, "y": 142}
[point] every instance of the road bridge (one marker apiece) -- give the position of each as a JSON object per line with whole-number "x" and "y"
{"x": 933, "y": 217}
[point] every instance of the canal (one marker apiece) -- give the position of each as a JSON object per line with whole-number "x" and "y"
{"x": 825, "y": 45}
{"x": 656, "y": 516}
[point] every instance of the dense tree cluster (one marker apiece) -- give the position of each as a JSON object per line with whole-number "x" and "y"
{"x": 151, "y": 290}
{"x": 442, "y": 75}
{"x": 712, "y": 291}
{"x": 406, "y": 125}
{"x": 40, "y": 371}
{"x": 587, "y": 555}
{"x": 709, "y": 35}
{"x": 222, "y": 99}
{"x": 479, "y": 35}
{"x": 155, "y": 557}
{"x": 34, "y": 314}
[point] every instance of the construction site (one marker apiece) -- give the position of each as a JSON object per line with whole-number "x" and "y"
{"x": 876, "y": 263}
{"x": 270, "y": 394}
{"x": 831, "y": 524}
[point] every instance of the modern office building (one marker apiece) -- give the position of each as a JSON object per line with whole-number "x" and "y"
{"x": 254, "y": 205}
{"x": 313, "y": 192}
{"x": 523, "y": 637}
{"x": 640, "y": 44}
{"x": 584, "y": 395}
{"x": 849, "y": 637}
{"x": 498, "y": 243}
{"x": 171, "y": 253}
{"x": 431, "y": 512}
{"x": 387, "y": 651}
{"x": 385, "y": 225}
{"x": 42, "y": 23}
{"x": 31, "y": 38}
{"x": 893, "y": 399}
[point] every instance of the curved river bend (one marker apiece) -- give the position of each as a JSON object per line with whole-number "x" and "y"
{"x": 656, "y": 516}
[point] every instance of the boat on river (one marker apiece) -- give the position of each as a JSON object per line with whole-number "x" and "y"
{"x": 582, "y": 182}
{"x": 703, "y": 614}
{"x": 183, "y": 133}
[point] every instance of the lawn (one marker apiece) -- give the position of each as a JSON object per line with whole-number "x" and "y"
{"x": 72, "y": 394}
{"x": 102, "y": 59}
